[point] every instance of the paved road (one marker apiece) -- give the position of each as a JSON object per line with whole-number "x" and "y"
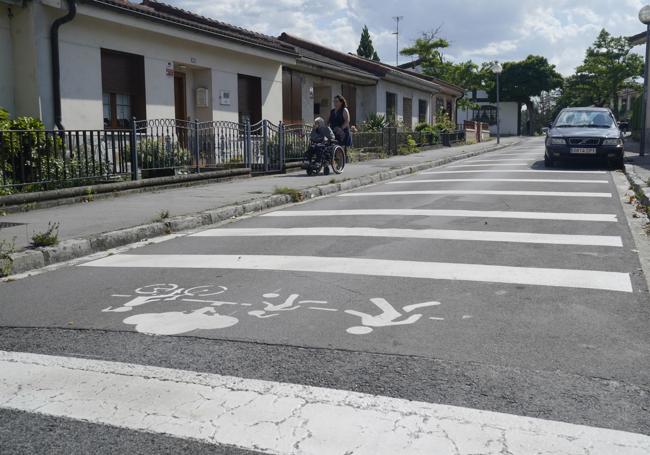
{"x": 505, "y": 300}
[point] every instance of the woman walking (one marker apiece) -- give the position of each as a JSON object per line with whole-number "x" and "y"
{"x": 340, "y": 118}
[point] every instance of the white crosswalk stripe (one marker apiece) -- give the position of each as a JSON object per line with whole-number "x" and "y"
{"x": 584, "y": 279}
{"x": 596, "y": 217}
{"x": 493, "y": 165}
{"x": 281, "y": 418}
{"x": 399, "y": 182}
{"x": 481, "y": 192}
{"x": 533, "y": 171}
{"x": 431, "y": 234}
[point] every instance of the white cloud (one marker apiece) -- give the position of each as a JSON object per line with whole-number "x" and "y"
{"x": 503, "y": 30}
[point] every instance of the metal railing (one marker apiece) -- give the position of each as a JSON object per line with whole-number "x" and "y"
{"x": 45, "y": 160}
{"x": 35, "y": 160}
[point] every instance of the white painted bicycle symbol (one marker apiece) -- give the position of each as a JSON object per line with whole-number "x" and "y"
{"x": 272, "y": 305}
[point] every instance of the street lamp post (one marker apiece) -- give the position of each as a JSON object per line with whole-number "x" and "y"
{"x": 644, "y": 17}
{"x": 497, "y": 69}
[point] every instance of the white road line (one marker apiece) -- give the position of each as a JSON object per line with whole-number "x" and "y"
{"x": 507, "y": 160}
{"x": 281, "y": 418}
{"x": 431, "y": 234}
{"x": 489, "y": 165}
{"x": 536, "y": 171}
{"x": 480, "y": 192}
{"x": 498, "y": 180}
{"x": 597, "y": 217}
{"x": 584, "y": 279}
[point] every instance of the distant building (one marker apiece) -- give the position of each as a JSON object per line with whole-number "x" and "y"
{"x": 510, "y": 113}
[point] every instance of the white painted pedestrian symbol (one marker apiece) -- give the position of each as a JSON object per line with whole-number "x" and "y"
{"x": 271, "y": 309}
{"x": 207, "y": 317}
{"x": 389, "y": 316}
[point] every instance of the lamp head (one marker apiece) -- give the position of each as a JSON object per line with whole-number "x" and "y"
{"x": 644, "y": 14}
{"x": 496, "y": 68}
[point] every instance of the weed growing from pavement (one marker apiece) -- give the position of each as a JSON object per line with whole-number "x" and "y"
{"x": 7, "y": 248}
{"x": 162, "y": 215}
{"x": 332, "y": 181}
{"x": 49, "y": 237}
{"x": 296, "y": 196}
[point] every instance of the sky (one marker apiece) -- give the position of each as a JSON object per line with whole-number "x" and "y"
{"x": 481, "y": 30}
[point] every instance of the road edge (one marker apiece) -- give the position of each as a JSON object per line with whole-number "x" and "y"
{"x": 628, "y": 190}
{"x": 31, "y": 259}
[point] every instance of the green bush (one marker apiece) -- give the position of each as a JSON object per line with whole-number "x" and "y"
{"x": 410, "y": 147}
{"x": 156, "y": 153}
{"x": 374, "y": 122}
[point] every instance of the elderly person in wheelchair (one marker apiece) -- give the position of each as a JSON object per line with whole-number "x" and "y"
{"x": 324, "y": 151}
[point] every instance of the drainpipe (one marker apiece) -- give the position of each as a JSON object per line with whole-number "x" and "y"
{"x": 56, "y": 71}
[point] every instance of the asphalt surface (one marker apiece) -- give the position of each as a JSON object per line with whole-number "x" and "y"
{"x": 564, "y": 353}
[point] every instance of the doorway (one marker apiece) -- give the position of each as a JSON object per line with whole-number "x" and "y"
{"x": 249, "y": 98}
{"x": 180, "y": 96}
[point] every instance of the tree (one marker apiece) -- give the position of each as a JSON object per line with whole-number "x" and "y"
{"x": 366, "y": 49}
{"x": 522, "y": 81}
{"x": 606, "y": 69}
{"x": 428, "y": 50}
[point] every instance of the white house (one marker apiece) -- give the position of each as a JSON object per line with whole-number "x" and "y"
{"x": 510, "y": 113}
{"x": 321, "y": 73}
{"x": 150, "y": 60}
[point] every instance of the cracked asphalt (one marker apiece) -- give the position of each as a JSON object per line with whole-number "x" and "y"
{"x": 533, "y": 349}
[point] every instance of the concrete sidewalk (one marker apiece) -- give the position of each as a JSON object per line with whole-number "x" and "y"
{"x": 92, "y": 219}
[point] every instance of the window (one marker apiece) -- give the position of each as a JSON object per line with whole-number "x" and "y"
{"x": 118, "y": 111}
{"x": 487, "y": 114}
{"x": 391, "y": 107}
{"x": 422, "y": 111}
{"x": 123, "y": 88}
{"x": 407, "y": 112}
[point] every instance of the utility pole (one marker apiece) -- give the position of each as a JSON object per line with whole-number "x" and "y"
{"x": 396, "y": 33}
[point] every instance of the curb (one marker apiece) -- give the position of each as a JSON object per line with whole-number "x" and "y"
{"x": 66, "y": 250}
{"x": 638, "y": 185}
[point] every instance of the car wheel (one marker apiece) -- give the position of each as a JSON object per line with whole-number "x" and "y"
{"x": 548, "y": 162}
{"x": 618, "y": 163}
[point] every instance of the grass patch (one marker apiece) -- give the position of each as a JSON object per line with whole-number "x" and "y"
{"x": 296, "y": 196}
{"x": 49, "y": 237}
{"x": 7, "y": 248}
{"x": 332, "y": 181}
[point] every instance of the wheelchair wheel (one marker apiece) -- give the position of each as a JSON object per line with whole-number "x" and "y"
{"x": 338, "y": 159}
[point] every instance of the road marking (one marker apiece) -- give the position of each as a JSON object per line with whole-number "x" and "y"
{"x": 431, "y": 234}
{"x": 506, "y": 160}
{"x": 493, "y": 165}
{"x": 280, "y": 418}
{"x": 498, "y": 180}
{"x": 480, "y": 192}
{"x": 597, "y": 217}
{"x": 540, "y": 171}
{"x": 585, "y": 279}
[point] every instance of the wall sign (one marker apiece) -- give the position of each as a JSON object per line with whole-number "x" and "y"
{"x": 224, "y": 97}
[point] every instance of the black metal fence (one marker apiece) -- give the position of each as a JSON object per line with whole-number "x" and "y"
{"x": 40, "y": 160}
{"x": 44, "y": 160}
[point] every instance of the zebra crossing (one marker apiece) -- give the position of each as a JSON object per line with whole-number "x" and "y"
{"x": 397, "y": 268}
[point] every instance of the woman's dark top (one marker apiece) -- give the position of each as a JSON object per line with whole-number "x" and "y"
{"x": 336, "y": 121}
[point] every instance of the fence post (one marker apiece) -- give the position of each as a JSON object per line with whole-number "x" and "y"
{"x": 282, "y": 146}
{"x": 134, "y": 150}
{"x": 265, "y": 141}
{"x": 247, "y": 144}
{"x": 196, "y": 145}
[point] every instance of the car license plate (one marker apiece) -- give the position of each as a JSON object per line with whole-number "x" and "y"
{"x": 584, "y": 151}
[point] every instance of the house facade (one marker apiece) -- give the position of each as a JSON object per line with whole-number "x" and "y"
{"x": 404, "y": 97}
{"x": 120, "y": 60}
